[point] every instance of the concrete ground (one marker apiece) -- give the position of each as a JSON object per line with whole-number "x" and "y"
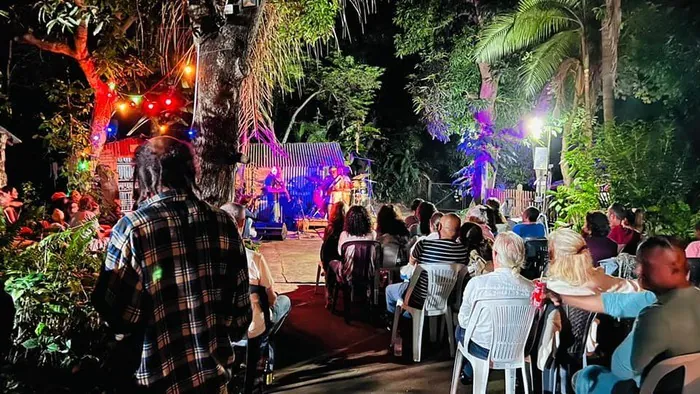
{"x": 317, "y": 352}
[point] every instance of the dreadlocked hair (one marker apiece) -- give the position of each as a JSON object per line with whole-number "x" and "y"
{"x": 164, "y": 163}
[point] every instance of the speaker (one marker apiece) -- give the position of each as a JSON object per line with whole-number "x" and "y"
{"x": 272, "y": 231}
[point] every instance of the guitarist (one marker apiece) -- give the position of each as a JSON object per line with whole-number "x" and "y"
{"x": 336, "y": 185}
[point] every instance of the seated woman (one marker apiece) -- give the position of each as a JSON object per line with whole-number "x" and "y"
{"x": 479, "y": 214}
{"x": 58, "y": 221}
{"x": 393, "y": 235}
{"x": 329, "y": 248}
{"x": 471, "y": 236}
{"x": 571, "y": 270}
{"x": 358, "y": 227}
{"x": 425, "y": 212}
{"x": 596, "y": 232}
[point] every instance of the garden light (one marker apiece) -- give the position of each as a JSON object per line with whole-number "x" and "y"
{"x": 534, "y": 126}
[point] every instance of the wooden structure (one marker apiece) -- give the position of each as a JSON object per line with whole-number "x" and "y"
{"x": 6, "y": 138}
{"x": 513, "y": 201}
{"x": 118, "y": 156}
{"x": 299, "y": 162}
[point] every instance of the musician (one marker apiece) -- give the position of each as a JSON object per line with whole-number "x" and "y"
{"x": 273, "y": 187}
{"x": 337, "y": 186}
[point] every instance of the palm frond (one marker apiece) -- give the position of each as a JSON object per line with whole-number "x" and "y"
{"x": 544, "y": 61}
{"x": 572, "y": 5}
{"x": 510, "y": 33}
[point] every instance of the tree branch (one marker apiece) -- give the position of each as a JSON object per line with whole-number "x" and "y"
{"x": 54, "y": 47}
{"x": 128, "y": 22}
{"x": 80, "y": 41}
{"x": 294, "y": 116}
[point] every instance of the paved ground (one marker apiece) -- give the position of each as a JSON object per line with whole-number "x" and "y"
{"x": 319, "y": 353}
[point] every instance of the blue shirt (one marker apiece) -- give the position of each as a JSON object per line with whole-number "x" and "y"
{"x": 529, "y": 230}
{"x": 625, "y": 305}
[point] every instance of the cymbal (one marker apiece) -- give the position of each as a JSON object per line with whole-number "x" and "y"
{"x": 360, "y": 177}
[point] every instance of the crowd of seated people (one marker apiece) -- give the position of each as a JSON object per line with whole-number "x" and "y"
{"x": 62, "y": 212}
{"x": 493, "y": 249}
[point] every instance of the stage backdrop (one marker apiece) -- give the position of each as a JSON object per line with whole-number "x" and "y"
{"x": 300, "y": 163}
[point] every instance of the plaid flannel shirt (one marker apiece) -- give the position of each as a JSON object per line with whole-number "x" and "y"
{"x": 176, "y": 272}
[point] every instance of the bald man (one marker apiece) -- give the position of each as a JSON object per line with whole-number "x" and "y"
{"x": 446, "y": 249}
{"x": 668, "y": 318}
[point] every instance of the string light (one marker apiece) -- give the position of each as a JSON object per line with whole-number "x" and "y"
{"x": 112, "y": 86}
{"x": 168, "y": 101}
{"x": 122, "y": 106}
{"x": 95, "y": 137}
{"x": 163, "y": 128}
{"x": 192, "y": 133}
{"x": 83, "y": 165}
{"x": 188, "y": 69}
{"x": 136, "y": 99}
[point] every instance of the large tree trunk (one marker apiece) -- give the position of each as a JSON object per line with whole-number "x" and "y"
{"x": 223, "y": 48}
{"x": 487, "y": 92}
{"x": 588, "y": 100}
{"x": 610, "y": 32}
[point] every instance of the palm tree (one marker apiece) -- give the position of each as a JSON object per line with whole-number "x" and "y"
{"x": 555, "y": 32}
{"x": 610, "y": 32}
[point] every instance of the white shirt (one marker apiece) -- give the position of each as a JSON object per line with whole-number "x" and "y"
{"x": 433, "y": 235}
{"x": 259, "y": 275}
{"x": 501, "y": 283}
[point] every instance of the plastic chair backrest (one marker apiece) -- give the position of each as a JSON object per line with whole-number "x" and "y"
{"x": 627, "y": 264}
{"x": 394, "y": 250}
{"x": 458, "y": 292}
{"x": 611, "y": 266}
{"x": 691, "y": 377}
{"x": 694, "y": 265}
{"x": 536, "y": 257}
{"x": 431, "y": 285}
{"x": 361, "y": 259}
{"x": 511, "y": 321}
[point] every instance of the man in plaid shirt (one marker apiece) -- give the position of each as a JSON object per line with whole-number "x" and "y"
{"x": 176, "y": 275}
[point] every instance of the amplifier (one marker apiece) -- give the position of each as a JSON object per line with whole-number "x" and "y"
{"x": 276, "y": 231}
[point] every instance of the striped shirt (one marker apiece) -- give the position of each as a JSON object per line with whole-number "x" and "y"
{"x": 432, "y": 251}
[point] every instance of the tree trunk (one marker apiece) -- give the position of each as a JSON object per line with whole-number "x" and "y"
{"x": 223, "y": 49}
{"x": 587, "y": 99}
{"x": 487, "y": 92}
{"x": 610, "y": 32}
{"x": 566, "y": 132}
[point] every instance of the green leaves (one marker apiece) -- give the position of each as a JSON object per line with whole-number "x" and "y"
{"x": 541, "y": 64}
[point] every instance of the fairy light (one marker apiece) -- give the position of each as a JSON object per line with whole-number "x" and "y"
{"x": 123, "y": 107}
{"x": 163, "y": 128}
{"x": 188, "y": 69}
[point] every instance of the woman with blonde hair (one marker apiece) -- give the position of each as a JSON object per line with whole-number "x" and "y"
{"x": 571, "y": 269}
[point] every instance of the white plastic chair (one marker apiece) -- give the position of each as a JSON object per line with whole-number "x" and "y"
{"x": 441, "y": 280}
{"x": 511, "y": 320}
{"x": 691, "y": 380}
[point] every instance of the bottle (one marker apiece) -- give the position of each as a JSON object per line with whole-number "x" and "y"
{"x": 398, "y": 347}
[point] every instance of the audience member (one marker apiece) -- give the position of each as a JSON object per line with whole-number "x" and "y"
{"x": 621, "y": 235}
{"x": 530, "y": 228}
{"x": 478, "y": 248}
{"x": 258, "y": 275}
{"x": 446, "y": 249}
{"x": 571, "y": 268}
{"x": 663, "y": 272}
{"x": 75, "y": 196}
{"x": 693, "y": 249}
{"x": 10, "y": 212}
{"x": 413, "y": 218}
{"x": 596, "y": 232}
{"x": 176, "y": 275}
{"x": 504, "y": 282}
{"x": 329, "y": 248}
{"x": 479, "y": 214}
{"x": 424, "y": 214}
{"x": 13, "y": 195}
{"x": 434, "y": 223}
{"x": 393, "y": 235}
{"x": 493, "y": 214}
{"x": 358, "y": 227}
{"x": 58, "y": 221}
